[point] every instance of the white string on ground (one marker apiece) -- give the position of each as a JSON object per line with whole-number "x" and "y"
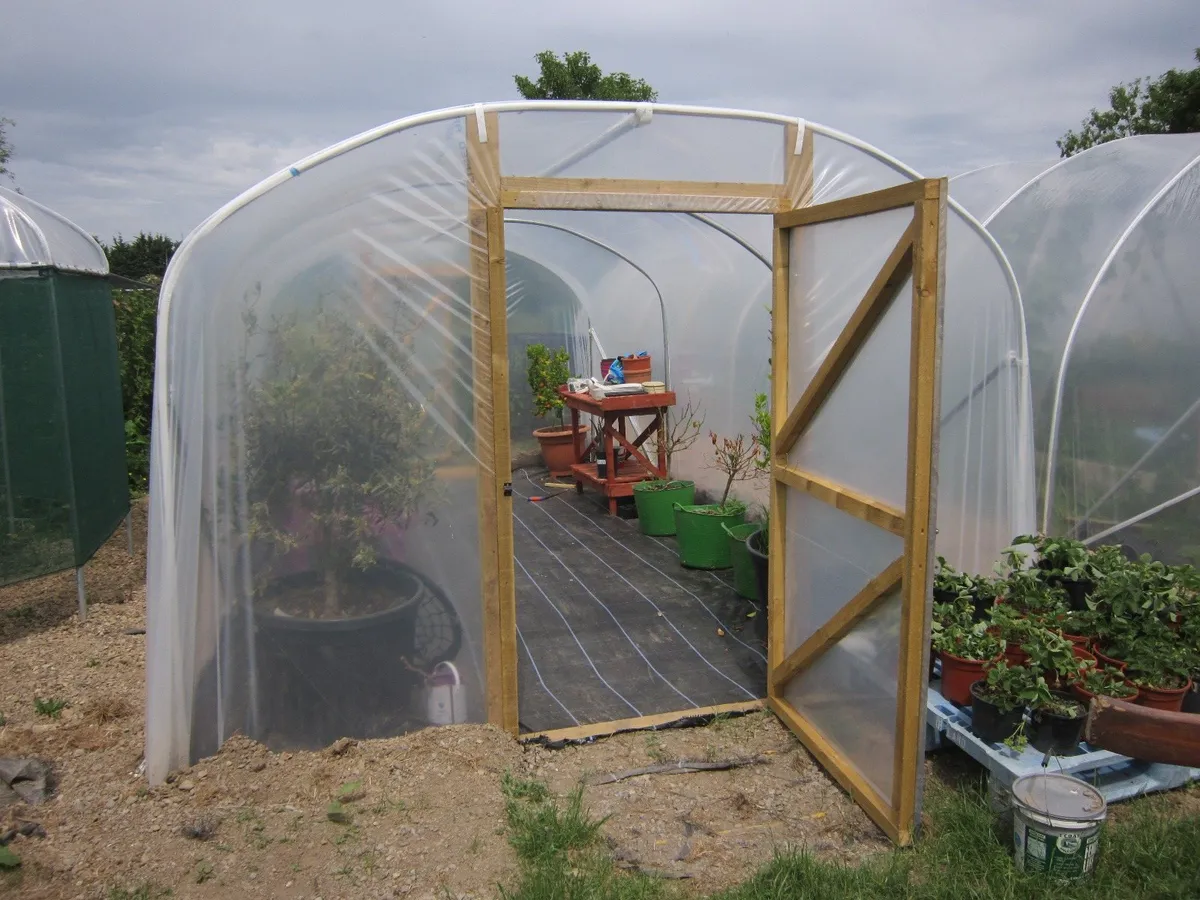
{"x": 574, "y": 636}
{"x": 604, "y": 606}
{"x": 658, "y": 609}
{"x": 541, "y": 680}
{"x": 646, "y": 562}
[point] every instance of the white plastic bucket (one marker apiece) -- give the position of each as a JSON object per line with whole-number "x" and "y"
{"x": 445, "y": 700}
{"x": 1057, "y": 822}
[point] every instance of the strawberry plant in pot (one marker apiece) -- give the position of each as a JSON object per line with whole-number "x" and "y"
{"x": 965, "y": 648}
{"x": 949, "y": 583}
{"x": 1159, "y": 667}
{"x": 998, "y": 701}
{"x": 703, "y": 542}
{"x": 339, "y": 461}
{"x": 547, "y": 372}
{"x": 1064, "y": 563}
{"x": 1057, "y": 720}
{"x": 1093, "y": 680}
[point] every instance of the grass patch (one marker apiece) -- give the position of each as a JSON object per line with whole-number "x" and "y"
{"x": 965, "y": 854}
{"x": 559, "y": 850}
{"x": 1148, "y": 853}
{"x": 51, "y": 707}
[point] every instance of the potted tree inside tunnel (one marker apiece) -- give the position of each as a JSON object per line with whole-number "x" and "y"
{"x": 655, "y": 499}
{"x": 339, "y": 463}
{"x": 548, "y": 371}
{"x": 701, "y": 530}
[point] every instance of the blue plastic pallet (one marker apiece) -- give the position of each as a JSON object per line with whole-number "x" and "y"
{"x": 1116, "y": 777}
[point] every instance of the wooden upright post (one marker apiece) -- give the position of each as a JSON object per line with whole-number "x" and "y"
{"x": 489, "y": 352}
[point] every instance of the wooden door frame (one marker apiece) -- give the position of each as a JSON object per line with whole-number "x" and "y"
{"x": 920, "y": 252}
{"x": 489, "y": 194}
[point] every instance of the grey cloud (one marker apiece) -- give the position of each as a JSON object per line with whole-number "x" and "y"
{"x": 150, "y": 115}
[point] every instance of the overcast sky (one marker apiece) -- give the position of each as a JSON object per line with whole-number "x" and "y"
{"x": 149, "y": 114}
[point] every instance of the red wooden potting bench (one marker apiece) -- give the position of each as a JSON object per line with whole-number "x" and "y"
{"x": 613, "y": 412}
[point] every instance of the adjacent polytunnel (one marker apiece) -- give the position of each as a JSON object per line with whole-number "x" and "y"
{"x": 335, "y": 333}
{"x": 63, "y": 484}
{"x": 1103, "y": 245}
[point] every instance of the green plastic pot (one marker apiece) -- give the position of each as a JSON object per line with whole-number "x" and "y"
{"x": 655, "y": 502}
{"x": 739, "y": 555}
{"x": 700, "y": 531}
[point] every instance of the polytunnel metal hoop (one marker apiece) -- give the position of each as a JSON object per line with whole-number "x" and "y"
{"x": 1060, "y": 379}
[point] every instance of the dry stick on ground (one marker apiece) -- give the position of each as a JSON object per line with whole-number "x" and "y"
{"x": 681, "y": 767}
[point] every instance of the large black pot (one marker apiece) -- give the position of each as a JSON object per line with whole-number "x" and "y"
{"x": 988, "y": 722}
{"x": 761, "y": 563}
{"x": 1056, "y": 734}
{"x": 322, "y": 679}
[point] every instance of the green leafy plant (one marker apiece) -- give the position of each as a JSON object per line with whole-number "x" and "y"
{"x": 1064, "y": 707}
{"x": 136, "y": 313}
{"x": 965, "y": 641}
{"x": 51, "y": 707}
{"x": 1009, "y": 687}
{"x": 331, "y": 431}
{"x": 1103, "y": 681}
{"x": 547, "y": 372}
{"x": 762, "y": 431}
{"x": 1159, "y": 662}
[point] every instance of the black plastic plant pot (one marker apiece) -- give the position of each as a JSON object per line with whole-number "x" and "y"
{"x": 1055, "y": 734}
{"x": 1077, "y": 593}
{"x": 323, "y": 679}
{"x": 989, "y": 723}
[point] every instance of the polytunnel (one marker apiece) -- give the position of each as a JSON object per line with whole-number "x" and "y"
{"x": 63, "y": 483}
{"x": 365, "y": 303}
{"x": 1103, "y": 245}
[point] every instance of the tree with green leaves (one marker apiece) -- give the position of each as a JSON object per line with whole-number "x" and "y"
{"x": 1169, "y": 104}
{"x": 146, "y": 254}
{"x": 576, "y": 77}
{"x": 5, "y": 146}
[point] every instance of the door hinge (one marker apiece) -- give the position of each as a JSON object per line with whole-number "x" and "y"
{"x": 508, "y": 489}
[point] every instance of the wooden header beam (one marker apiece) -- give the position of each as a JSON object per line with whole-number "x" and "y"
{"x": 640, "y": 195}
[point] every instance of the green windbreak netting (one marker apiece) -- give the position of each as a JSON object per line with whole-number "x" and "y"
{"x": 63, "y": 487}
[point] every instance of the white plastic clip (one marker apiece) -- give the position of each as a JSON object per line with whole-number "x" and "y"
{"x": 644, "y": 114}
{"x": 799, "y": 137}
{"x": 481, "y": 123}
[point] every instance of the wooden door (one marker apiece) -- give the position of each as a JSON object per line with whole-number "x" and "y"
{"x": 855, "y": 378}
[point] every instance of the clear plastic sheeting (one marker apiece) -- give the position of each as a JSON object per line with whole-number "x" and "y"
{"x": 1103, "y": 245}
{"x": 32, "y": 237}
{"x": 342, "y": 305}
{"x": 849, "y": 694}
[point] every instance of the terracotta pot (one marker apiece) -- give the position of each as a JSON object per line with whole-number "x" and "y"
{"x": 1054, "y": 680}
{"x": 1108, "y": 660}
{"x": 1079, "y": 640}
{"x": 1163, "y": 698}
{"x": 958, "y": 674}
{"x": 558, "y": 448}
{"x": 1086, "y": 696}
{"x": 636, "y": 368}
{"x": 1012, "y": 652}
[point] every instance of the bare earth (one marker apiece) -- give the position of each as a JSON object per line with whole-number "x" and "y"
{"x": 425, "y": 812}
